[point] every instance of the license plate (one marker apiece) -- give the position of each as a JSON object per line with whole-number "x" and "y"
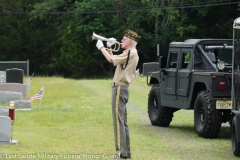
{"x": 224, "y": 104}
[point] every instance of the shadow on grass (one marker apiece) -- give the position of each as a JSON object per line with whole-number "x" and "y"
{"x": 186, "y": 130}
{"x": 223, "y": 134}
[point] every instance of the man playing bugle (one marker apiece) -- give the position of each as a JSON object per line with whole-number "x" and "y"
{"x": 124, "y": 74}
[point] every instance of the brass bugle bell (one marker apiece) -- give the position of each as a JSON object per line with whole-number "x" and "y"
{"x": 97, "y": 37}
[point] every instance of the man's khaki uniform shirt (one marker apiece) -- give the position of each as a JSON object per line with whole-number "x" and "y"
{"x": 127, "y": 75}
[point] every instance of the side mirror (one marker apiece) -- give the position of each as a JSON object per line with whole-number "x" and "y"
{"x": 162, "y": 62}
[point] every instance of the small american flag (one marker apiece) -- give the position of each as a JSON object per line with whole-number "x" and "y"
{"x": 39, "y": 95}
{"x": 29, "y": 80}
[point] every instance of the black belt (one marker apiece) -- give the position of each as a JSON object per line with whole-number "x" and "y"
{"x": 114, "y": 84}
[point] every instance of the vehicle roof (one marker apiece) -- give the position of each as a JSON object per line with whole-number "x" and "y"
{"x": 192, "y": 42}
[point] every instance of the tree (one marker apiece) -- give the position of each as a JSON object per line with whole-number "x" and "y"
{"x": 75, "y": 30}
{"x": 55, "y": 35}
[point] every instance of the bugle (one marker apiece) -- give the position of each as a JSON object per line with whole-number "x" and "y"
{"x": 117, "y": 45}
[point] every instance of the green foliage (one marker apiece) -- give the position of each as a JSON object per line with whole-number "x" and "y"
{"x": 55, "y": 35}
{"x": 77, "y": 59}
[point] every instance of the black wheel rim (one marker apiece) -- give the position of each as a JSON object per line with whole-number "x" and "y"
{"x": 155, "y": 106}
{"x": 201, "y": 115}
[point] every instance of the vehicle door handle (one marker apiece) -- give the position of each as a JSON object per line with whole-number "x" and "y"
{"x": 187, "y": 76}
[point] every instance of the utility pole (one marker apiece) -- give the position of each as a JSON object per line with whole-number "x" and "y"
{"x": 157, "y": 52}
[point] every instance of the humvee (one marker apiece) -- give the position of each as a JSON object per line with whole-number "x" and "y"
{"x": 196, "y": 75}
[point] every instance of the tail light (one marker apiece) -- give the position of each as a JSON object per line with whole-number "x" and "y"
{"x": 222, "y": 85}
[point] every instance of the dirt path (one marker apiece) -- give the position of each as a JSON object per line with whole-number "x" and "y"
{"x": 143, "y": 115}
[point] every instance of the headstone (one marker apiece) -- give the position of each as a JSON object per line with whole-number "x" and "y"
{"x": 5, "y": 129}
{"x": 2, "y": 76}
{"x": 6, "y": 96}
{"x": 15, "y": 87}
{"x": 4, "y": 111}
{"x": 150, "y": 67}
{"x": 22, "y": 104}
{"x": 137, "y": 73}
{"x": 14, "y": 75}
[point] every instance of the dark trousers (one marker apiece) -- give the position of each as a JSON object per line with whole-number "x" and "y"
{"x": 119, "y": 112}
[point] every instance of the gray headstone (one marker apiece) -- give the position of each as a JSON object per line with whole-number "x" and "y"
{"x": 22, "y": 104}
{"x": 5, "y": 129}
{"x": 4, "y": 111}
{"x": 7, "y": 96}
{"x": 2, "y": 76}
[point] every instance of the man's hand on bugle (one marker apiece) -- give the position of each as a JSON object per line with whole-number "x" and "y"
{"x": 111, "y": 42}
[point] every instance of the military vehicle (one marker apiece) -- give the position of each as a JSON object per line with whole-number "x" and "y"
{"x": 196, "y": 75}
{"x": 235, "y": 129}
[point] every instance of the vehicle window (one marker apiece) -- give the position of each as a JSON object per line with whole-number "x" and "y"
{"x": 185, "y": 59}
{"x": 224, "y": 55}
{"x": 173, "y": 60}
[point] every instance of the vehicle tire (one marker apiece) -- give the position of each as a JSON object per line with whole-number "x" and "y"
{"x": 207, "y": 119}
{"x": 235, "y": 144}
{"x": 158, "y": 114}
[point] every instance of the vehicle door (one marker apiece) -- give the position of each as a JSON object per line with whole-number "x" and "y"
{"x": 184, "y": 72}
{"x": 171, "y": 71}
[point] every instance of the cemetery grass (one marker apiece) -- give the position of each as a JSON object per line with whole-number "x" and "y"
{"x": 74, "y": 120}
